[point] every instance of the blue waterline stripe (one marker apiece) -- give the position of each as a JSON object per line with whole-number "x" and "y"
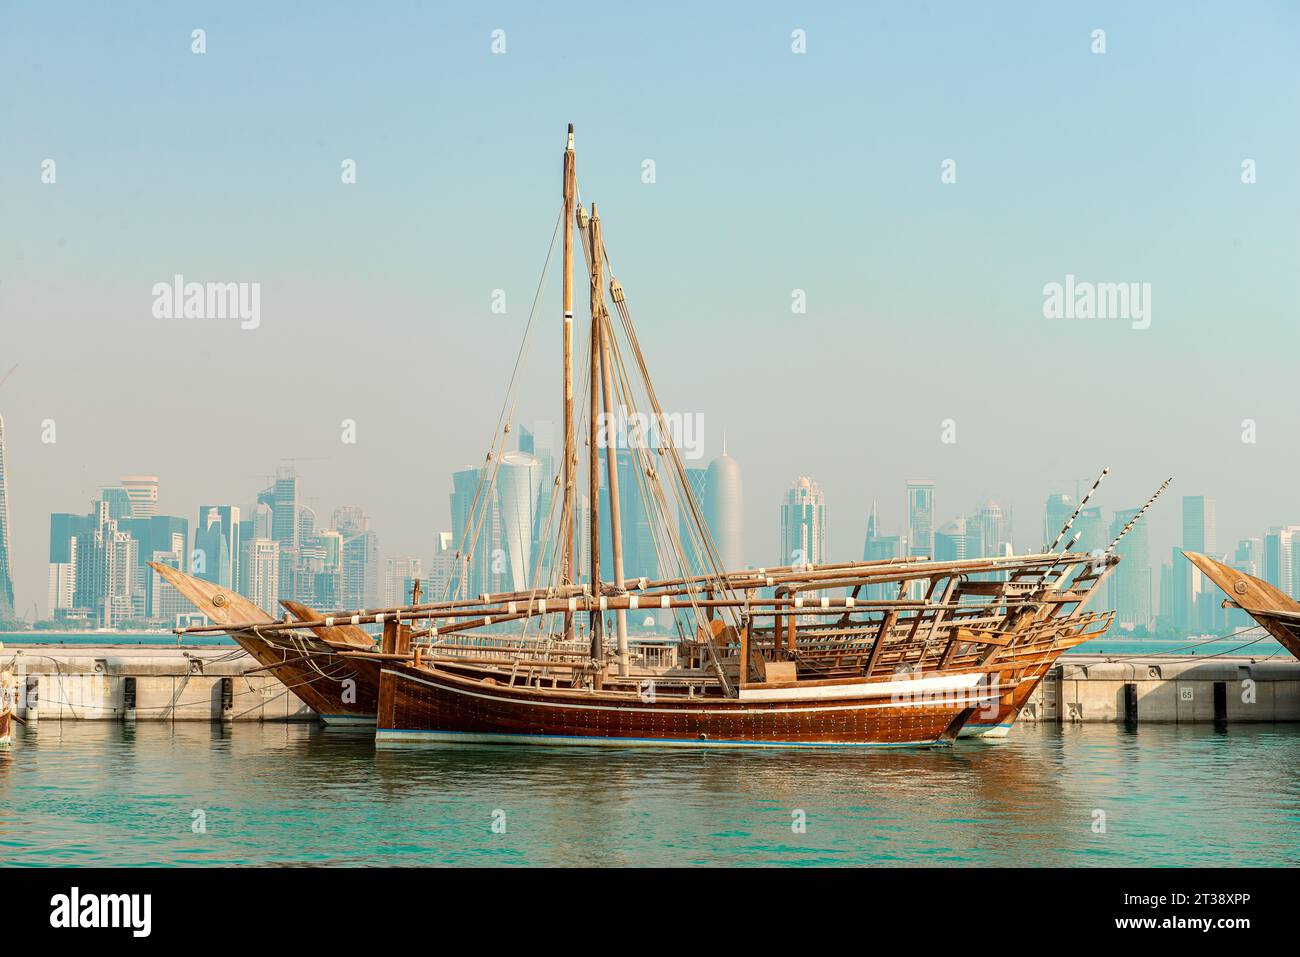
{"x": 675, "y": 742}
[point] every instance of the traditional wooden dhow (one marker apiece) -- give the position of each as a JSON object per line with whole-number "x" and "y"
{"x": 339, "y": 690}
{"x": 905, "y": 651}
{"x": 1277, "y": 612}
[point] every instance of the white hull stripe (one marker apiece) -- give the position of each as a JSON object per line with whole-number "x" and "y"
{"x": 873, "y": 689}
{"x": 963, "y": 702}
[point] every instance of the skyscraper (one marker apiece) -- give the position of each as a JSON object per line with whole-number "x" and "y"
{"x": 1129, "y": 587}
{"x": 803, "y": 524}
{"x": 724, "y": 509}
{"x": 442, "y": 570}
{"x": 1196, "y": 597}
{"x": 1199, "y": 527}
{"x": 640, "y": 555}
{"x": 1057, "y": 512}
{"x": 219, "y": 527}
{"x": 987, "y": 531}
{"x": 950, "y": 541}
{"x": 142, "y": 490}
{"x": 7, "y": 612}
{"x": 697, "y": 482}
{"x": 399, "y": 576}
{"x": 518, "y": 482}
{"x": 468, "y": 523}
{"x": 1091, "y": 529}
{"x": 920, "y": 517}
{"x": 360, "y": 558}
{"x": 284, "y": 527}
{"x": 879, "y": 547}
{"x": 262, "y": 573}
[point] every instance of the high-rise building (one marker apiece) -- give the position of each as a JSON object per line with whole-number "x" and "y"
{"x": 986, "y": 531}
{"x": 360, "y": 567}
{"x": 920, "y": 517}
{"x": 518, "y": 483}
{"x": 724, "y": 509}
{"x": 1199, "y": 527}
{"x": 697, "y": 481}
{"x": 263, "y": 522}
{"x": 1195, "y": 597}
{"x": 546, "y": 524}
{"x": 442, "y": 569}
{"x": 877, "y": 548}
{"x": 1090, "y": 526}
{"x": 640, "y": 555}
{"x": 285, "y": 527}
{"x": 158, "y": 538}
{"x": 142, "y": 491}
{"x": 950, "y": 543}
{"x": 64, "y": 531}
{"x": 108, "y": 570}
{"x": 1129, "y": 586}
{"x": 262, "y": 575}
{"x": 1057, "y": 512}
{"x": 7, "y": 611}
{"x": 219, "y": 528}
{"x": 399, "y": 575}
{"x": 803, "y": 524}
{"x": 474, "y": 529}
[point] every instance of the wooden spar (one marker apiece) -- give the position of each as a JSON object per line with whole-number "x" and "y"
{"x": 603, "y": 331}
{"x": 847, "y": 575}
{"x": 588, "y": 602}
{"x": 570, "y": 452}
{"x": 597, "y": 624}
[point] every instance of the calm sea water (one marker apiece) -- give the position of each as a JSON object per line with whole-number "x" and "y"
{"x": 102, "y": 793}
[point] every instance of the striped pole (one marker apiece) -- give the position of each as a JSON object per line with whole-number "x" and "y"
{"x": 1082, "y": 503}
{"x": 1142, "y": 511}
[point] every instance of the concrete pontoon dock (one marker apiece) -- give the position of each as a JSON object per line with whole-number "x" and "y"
{"x": 1167, "y": 689}
{"x": 144, "y": 683}
{"x": 203, "y": 683}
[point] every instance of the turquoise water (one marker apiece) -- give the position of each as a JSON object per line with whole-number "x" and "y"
{"x": 1251, "y": 645}
{"x": 102, "y": 793}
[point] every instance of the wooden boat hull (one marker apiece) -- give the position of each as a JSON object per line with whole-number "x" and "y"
{"x": 1032, "y": 665}
{"x": 427, "y": 705}
{"x": 6, "y": 730}
{"x": 998, "y": 724}
{"x": 342, "y": 691}
{"x": 1277, "y": 612}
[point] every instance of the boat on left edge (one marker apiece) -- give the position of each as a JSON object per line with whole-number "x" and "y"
{"x": 313, "y": 664}
{"x": 8, "y": 706}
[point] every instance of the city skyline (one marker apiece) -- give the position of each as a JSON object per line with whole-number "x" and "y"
{"x": 127, "y": 528}
{"x": 393, "y": 278}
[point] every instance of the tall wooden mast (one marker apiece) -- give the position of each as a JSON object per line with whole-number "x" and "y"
{"x": 601, "y": 318}
{"x": 569, "y": 485}
{"x": 593, "y": 441}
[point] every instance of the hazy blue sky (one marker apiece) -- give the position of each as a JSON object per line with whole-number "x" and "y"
{"x": 775, "y": 172}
